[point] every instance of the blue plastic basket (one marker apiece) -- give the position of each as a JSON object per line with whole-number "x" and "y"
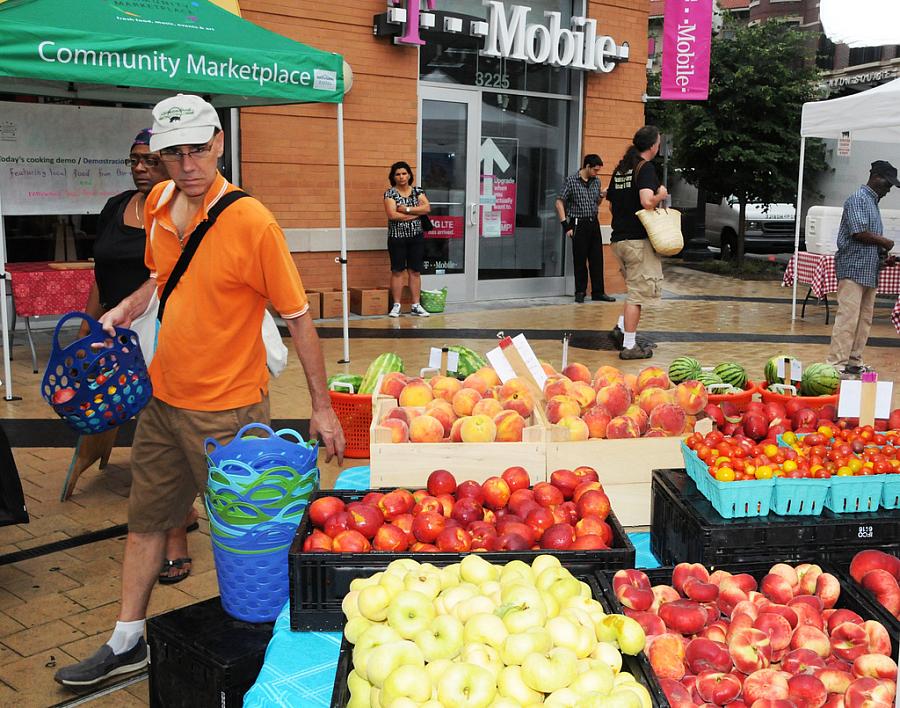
{"x": 848, "y": 495}
{"x": 799, "y": 497}
{"x": 695, "y": 468}
{"x": 108, "y": 385}
{"x": 247, "y": 453}
{"x": 890, "y": 493}
{"x": 734, "y": 500}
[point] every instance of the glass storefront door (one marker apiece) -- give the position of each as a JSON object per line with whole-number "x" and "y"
{"x": 448, "y": 172}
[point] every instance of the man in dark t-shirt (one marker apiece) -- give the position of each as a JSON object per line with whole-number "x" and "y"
{"x": 634, "y": 186}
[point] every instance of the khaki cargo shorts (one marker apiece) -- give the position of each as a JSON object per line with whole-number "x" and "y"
{"x": 642, "y": 269}
{"x": 168, "y": 459}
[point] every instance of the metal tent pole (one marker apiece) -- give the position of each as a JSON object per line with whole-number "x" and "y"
{"x": 342, "y": 204}
{"x": 797, "y": 227}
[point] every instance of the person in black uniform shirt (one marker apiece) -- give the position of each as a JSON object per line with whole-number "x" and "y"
{"x": 578, "y": 206}
{"x": 118, "y": 271}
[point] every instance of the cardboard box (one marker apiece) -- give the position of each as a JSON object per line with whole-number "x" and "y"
{"x": 625, "y": 468}
{"x": 332, "y": 302}
{"x": 409, "y": 464}
{"x": 369, "y": 301}
{"x": 315, "y": 303}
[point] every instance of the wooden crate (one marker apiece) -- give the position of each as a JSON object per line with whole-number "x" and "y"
{"x": 369, "y": 301}
{"x": 409, "y": 464}
{"x": 625, "y": 468}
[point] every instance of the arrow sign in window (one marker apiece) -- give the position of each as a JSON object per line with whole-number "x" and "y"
{"x": 491, "y": 155}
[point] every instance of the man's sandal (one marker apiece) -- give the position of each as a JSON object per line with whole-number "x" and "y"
{"x": 178, "y": 564}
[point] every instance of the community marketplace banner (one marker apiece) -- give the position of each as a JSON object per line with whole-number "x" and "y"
{"x": 687, "y": 39}
{"x": 188, "y": 46}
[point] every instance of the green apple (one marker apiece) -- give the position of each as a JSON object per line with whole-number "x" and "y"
{"x": 586, "y": 604}
{"x": 476, "y": 570}
{"x": 581, "y": 618}
{"x": 510, "y": 684}
{"x": 584, "y": 589}
{"x": 624, "y": 677}
{"x": 360, "y": 659}
{"x": 552, "y": 672}
{"x": 443, "y": 639}
{"x": 542, "y": 562}
{"x": 450, "y": 576}
{"x": 482, "y": 655}
{"x": 373, "y": 602}
{"x": 359, "y": 701}
{"x": 375, "y": 698}
{"x": 569, "y": 634}
{"x": 426, "y": 582}
{"x": 642, "y": 693}
{"x": 393, "y": 583}
{"x": 550, "y": 602}
{"x": 608, "y": 654}
{"x": 598, "y": 679}
{"x": 435, "y": 670}
{"x": 451, "y": 597}
{"x": 503, "y": 702}
{"x": 410, "y": 612}
{"x": 384, "y": 658}
{"x": 466, "y": 686}
{"x": 535, "y": 640}
{"x": 485, "y": 628}
{"x": 401, "y": 566}
{"x": 473, "y": 606}
{"x": 406, "y": 681}
{"x": 355, "y": 627}
{"x": 559, "y": 582}
{"x": 359, "y": 687}
{"x": 562, "y": 698}
{"x": 516, "y": 570}
{"x": 622, "y": 697}
{"x": 491, "y": 589}
{"x": 605, "y": 627}
{"x": 349, "y": 606}
{"x": 376, "y": 635}
{"x": 523, "y": 614}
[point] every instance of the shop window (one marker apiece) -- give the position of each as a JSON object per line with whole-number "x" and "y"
{"x": 864, "y": 55}
{"x": 825, "y": 54}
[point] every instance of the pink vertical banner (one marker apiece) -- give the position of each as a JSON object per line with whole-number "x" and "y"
{"x": 687, "y": 34}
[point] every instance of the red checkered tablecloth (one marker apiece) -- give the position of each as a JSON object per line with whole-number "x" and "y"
{"x": 818, "y": 272}
{"x": 39, "y": 289}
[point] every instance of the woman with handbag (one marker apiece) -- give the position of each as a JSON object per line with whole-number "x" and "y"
{"x": 634, "y": 185}
{"x": 119, "y": 269}
{"x": 407, "y": 210}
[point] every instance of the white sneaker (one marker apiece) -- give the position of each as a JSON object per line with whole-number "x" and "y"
{"x": 419, "y": 311}
{"x": 395, "y": 310}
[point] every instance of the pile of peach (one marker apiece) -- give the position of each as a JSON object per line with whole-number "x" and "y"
{"x": 444, "y": 409}
{"x": 717, "y": 639}
{"x": 879, "y": 573}
{"x": 501, "y": 514}
{"x": 611, "y": 404}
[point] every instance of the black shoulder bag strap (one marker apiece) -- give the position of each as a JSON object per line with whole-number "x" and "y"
{"x": 194, "y": 243}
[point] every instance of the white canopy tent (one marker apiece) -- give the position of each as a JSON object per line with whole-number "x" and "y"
{"x": 869, "y": 116}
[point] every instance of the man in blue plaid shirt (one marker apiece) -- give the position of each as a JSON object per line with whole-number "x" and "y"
{"x": 862, "y": 251}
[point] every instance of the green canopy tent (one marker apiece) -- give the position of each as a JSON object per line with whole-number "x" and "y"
{"x": 140, "y": 51}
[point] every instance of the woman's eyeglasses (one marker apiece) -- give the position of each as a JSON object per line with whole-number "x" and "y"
{"x": 195, "y": 153}
{"x": 148, "y": 160}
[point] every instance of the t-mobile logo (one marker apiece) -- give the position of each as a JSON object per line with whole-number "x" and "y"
{"x": 413, "y": 13}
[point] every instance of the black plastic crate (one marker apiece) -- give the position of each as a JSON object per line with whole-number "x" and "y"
{"x": 319, "y": 581}
{"x": 877, "y": 610}
{"x": 637, "y": 666}
{"x": 201, "y": 656}
{"x": 848, "y": 599}
{"x": 684, "y": 527}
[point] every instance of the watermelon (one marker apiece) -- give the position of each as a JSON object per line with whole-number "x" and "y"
{"x": 771, "y": 369}
{"x": 469, "y": 361}
{"x": 353, "y": 380}
{"x": 684, "y": 368}
{"x": 383, "y": 364}
{"x": 820, "y": 380}
{"x": 708, "y": 378}
{"x": 731, "y": 373}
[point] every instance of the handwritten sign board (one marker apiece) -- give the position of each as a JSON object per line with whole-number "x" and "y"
{"x": 64, "y": 159}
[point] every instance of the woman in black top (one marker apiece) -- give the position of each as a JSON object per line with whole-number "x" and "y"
{"x": 119, "y": 270}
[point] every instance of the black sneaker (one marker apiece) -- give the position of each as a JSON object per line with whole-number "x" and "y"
{"x": 103, "y": 665}
{"x": 638, "y": 351}
{"x": 618, "y": 337}
{"x": 579, "y": 297}
{"x": 602, "y": 297}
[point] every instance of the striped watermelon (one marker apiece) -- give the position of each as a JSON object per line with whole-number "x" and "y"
{"x": 383, "y": 364}
{"x": 684, "y": 368}
{"x": 708, "y": 378}
{"x": 771, "y": 369}
{"x": 469, "y": 361}
{"x": 731, "y": 373}
{"x": 820, "y": 380}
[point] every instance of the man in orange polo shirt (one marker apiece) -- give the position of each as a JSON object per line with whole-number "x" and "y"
{"x": 209, "y": 371}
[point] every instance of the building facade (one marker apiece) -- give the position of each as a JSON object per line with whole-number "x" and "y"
{"x": 492, "y": 104}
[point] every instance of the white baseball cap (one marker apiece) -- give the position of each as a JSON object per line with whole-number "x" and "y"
{"x": 182, "y": 120}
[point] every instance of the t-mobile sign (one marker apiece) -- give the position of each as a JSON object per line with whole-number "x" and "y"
{"x": 446, "y": 227}
{"x": 687, "y": 35}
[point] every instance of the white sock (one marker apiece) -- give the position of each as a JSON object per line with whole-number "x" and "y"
{"x": 621, "y": 323}
{"x": 629, "y": 340}
{"x": 126, "y": 635}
